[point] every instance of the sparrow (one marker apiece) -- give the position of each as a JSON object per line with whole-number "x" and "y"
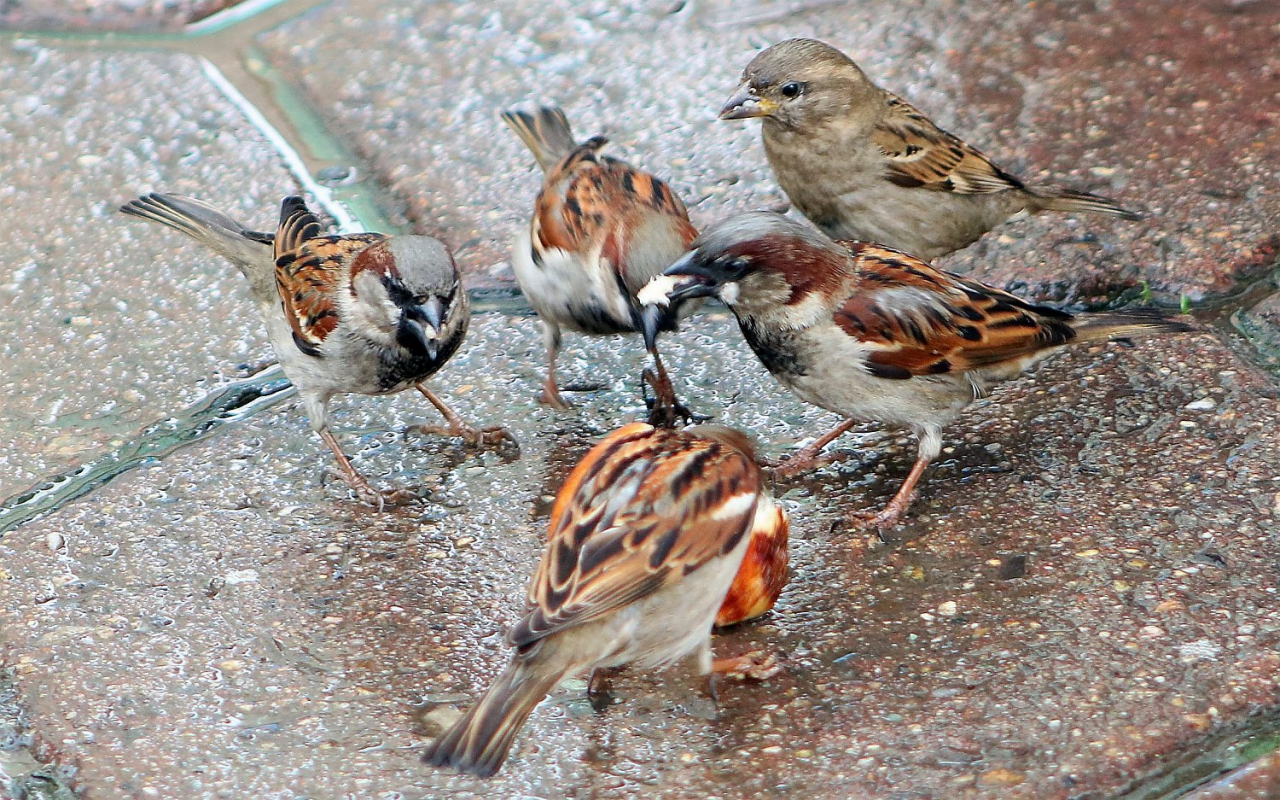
{"x": 871, "y": 333}
{"x": 600, "y": 230}
{"x": 862, "y": 163}
{"x": 363, "y": 313}
{"x": 646, "y": 536}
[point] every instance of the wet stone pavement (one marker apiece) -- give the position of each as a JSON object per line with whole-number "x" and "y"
{"x": 1082, "y": 604}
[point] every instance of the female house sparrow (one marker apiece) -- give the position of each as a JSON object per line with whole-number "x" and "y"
{"x": 873, "y": 333}
{"x": 861, "y": 163}
{"x": 362, "y": 313}
{"x": 646, "y": 536}
{"x": 600, "y": 230}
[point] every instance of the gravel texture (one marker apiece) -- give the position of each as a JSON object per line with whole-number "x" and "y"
{"x": 1086, "y": 585}
{"x": 105, "y": 15}
{"x": 119, "y": 322}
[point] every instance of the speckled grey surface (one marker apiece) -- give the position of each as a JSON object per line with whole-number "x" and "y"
{"x": 1149, "y": 102}
{"x": 226, "y": 608}
{"x": 1085, "y": 587}
{"x": 117, "y": 321}
{"x": 105, "y": 15}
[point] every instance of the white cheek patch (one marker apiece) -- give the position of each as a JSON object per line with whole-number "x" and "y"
{"x": 656, "y": 292}
{"x": 373, "y": 306}
{"x": 729, "y": 293}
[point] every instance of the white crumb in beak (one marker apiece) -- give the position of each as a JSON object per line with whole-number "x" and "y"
{"x": 656, "y": 290}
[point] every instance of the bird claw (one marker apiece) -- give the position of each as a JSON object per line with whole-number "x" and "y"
{"x": 494, "y": 435}
{"x": 795, "y": 465}
{"x": 879, "y": 522}
{"x": 757, "y": 666}
{"x": 383, "y": 499}
{"x": 665, "y": 411}
{"x": 553, "y": 399}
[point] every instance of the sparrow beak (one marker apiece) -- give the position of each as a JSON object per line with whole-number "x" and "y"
{"x": 419, "y": 330}
{"x": 411, "y": 336}
{"x": 690, "y": 280}
{"x": 652, "y": 320}
{"x": 746, "y": 104}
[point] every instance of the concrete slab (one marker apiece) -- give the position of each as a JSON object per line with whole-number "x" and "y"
{"x": 1146, "y": 101}
{"x": 105, "y": 15}
{"x": 1086, "y": 586}
{"x": 114, "y": 324}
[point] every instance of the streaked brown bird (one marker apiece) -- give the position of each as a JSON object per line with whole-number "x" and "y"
{"x": 600, "y": 230}
{"x": 360, "y": 313}
{"x": 862, "y": 163}
{"x": 647, "y": 535}
{"x": 872, "y": 333}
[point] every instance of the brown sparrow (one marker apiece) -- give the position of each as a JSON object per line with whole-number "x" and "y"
{"x": 647, "y": 534}
{"x": 872, "y": 333}
{"x": 600, "y": 230}
{"x": 862, "y": 163}
{"x": 362, "y": 313}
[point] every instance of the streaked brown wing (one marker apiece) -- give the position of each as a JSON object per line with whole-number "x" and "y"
{"x": 923, "y": 321}
{"x": 923, "y": 155}
{"x": 645, "y": 507}
{"x": 591, "y": 201}
{"x": 308, "y": 278}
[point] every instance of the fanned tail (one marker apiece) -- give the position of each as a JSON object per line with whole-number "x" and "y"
{"x": 546, "y": 132}
{"x": 1120, "y": 324}
{"x": 205, "y": 224}
{"x": 297, "y": 225}
{"x": 479, "y": 742}
{"x": 1072, "y": 201}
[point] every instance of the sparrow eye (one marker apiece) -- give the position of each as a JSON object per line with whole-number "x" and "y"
{"x": 791, "y": 89}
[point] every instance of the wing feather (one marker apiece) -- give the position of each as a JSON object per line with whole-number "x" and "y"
{"x": 644, "y": 508}
{"x": 925, "y": 156}
{"x": 918, "y": 320}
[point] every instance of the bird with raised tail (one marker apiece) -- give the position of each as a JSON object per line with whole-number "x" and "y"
{"x": 874, "y": 334}
{"x": 862, "y": 163}
{"x": 647, "y": 535}
{"x": 600, "y": 230}
{"x": 360, "y": 313}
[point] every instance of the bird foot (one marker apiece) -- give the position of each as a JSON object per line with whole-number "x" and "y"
{"x": 665, "y": 411}
{"x": 550, "y": 396}
{"x": 492, "y": 436}
{"x": 797, "y": 464}
{"x": 878, "y": 522}
{"x": 382, "y": 499}
{"x": 757, "y": 666}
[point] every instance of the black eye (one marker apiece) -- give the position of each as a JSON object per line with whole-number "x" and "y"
{"x": 792, "y": 89}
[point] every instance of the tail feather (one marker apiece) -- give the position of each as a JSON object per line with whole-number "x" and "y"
{"x": 479, "y": 742}
{"x": 205, "y": 224}
{"x": 546, "y": 132}
{"x": 297, "y": 225}
{"x": 1072, "y": 201}
{"x": 1120, "y": 324}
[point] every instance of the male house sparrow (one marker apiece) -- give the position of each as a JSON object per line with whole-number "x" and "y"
{"x": 872, "y": 333}
{"x": 600, "y": 230}
{"x": 861, "y": 163}
{"x": 646, "y": 537}
{"x": 363, "y": 313}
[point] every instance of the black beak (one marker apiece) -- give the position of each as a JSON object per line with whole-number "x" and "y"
{"x": 433, "y": 312}
{"x": 416, "y": 321}
{"x": 413, "y": 338}
{"x": 653, "y": 319}
{"x": 696, "y": 280}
